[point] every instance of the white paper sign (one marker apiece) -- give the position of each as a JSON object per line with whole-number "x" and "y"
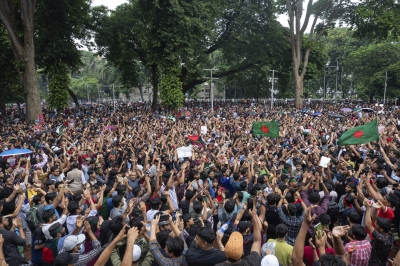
{"x": 203, "y": 130}
{"x": 381, "y": 129}
{"x": 324, "y": 161}
{"x": 184, "y": 152}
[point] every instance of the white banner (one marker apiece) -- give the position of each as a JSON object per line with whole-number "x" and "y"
{"x": 203, "y": 130}
{"x": 184, "y": 152}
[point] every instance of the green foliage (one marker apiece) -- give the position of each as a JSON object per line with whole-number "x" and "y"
{"x": 58, "y": 24}
{"x": 370, "y": 64}
{"x": 10, "y": 87}
{"x": 81, "y": 86}
{"x": 375, "y": 19}
{"x": 58, "y": 84}
{"x": 171, "y": 93}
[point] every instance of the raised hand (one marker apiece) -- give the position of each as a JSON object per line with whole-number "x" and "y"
{"x": 133, "y": 233}
{"x": 79, "y": 221}
{"x": 308, "y": 218}
{"x": 87, "y": 227}
{"x": 155, "y": 221}
{"x": 340, "y": 231}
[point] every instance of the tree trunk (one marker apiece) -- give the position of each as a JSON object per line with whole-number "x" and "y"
{"x": 31, "y": 90}
{"x": 141, "y": 91}
{"x": 73, "y": 96}
{"x": 371, "y": 97}
{"x": 2, "y": 104}
{"x": 298, "y": 83}
{"x": 154, "y": 72}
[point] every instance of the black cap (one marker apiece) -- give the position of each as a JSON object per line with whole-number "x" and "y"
{"x": 243, "y": 225}
{"x": 65, "y": 258}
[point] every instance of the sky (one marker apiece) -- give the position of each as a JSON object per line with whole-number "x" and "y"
{"x": 112, "y": 4}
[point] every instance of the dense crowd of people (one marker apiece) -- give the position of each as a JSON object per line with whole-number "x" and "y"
{"x": 114, "y": 188}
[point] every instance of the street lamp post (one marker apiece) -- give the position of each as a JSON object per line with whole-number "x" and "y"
{"x": 272, "y": 89}
{"x": 211, "y": 95}
{"x": 114, "y": 97}
{"x": 337, "y": 68}
{"x": 87, "y": 90}
{"x": 384, "y": 93}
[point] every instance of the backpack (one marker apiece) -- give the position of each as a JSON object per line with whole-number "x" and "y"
{"x": 333, "y": 210}
{"x": 32, "y": 219}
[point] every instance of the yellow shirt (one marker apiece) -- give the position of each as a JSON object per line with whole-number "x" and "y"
{"x": 31, "y": 193}
{"x": 283, "y": 251}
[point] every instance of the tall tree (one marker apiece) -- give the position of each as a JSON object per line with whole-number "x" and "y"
{"x": 322, "y": 10}
{"x": 43, "y": 33}
{"x": 370, "y": 64}
{"x": 375, "y": 19}
{"x": 13, "y": 14}
{"x": 10, "y": 86}
{"x": 157, "y": 34}
{"x": 58, "y": 25}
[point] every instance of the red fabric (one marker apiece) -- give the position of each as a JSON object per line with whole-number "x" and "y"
{"x": 388, "y": 214}
{"x": 308, "y": 254}
{"x": 194, "y": 138}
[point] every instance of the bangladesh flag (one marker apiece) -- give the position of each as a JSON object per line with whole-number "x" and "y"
{"x": 59, "y": 130}
{"x": 361, "y": 134}
{"x": 270, "y": 129}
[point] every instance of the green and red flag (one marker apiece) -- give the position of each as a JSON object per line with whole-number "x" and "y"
{"x": 270, "y": 129}
{"x": 361, "y": 134}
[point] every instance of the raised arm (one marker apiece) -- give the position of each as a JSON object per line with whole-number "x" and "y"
{"x": 298, "y": 249}
{"x": 256, "y": 231}
{"x": 133, "y": 233}
{"x": 368, "y": 221}
{"x": 105, "y": 255}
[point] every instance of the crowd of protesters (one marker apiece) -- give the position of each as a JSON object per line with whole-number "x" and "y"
{"x": 111, "y": 188}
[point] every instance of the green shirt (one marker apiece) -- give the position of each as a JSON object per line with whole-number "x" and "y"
{"x": 283, "y": 251}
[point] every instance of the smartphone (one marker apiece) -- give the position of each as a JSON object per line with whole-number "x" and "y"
{"x": 250, "y": 203}
{"x": 318, "y": 227}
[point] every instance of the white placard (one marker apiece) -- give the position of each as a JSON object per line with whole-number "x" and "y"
{"x": 324, "y": 161}
{"x": 381, "y": 129}
{"x": 203, "y": 130}
{"x": 184, "y": 152}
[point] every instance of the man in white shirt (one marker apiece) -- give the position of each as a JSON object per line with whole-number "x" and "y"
{"x": 49, "y": 217}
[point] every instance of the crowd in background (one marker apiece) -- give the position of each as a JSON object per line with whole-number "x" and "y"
{"x": 100, "y": 187}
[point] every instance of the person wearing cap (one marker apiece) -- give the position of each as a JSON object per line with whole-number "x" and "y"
{"x": 269, "y": 260}
{"x": 234, "y": 246}
{"x": 55, "y": 244}
{"x": 66, "y": 259}
{"x": 73, "y": 244}
{"x": 49, "y": 217}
